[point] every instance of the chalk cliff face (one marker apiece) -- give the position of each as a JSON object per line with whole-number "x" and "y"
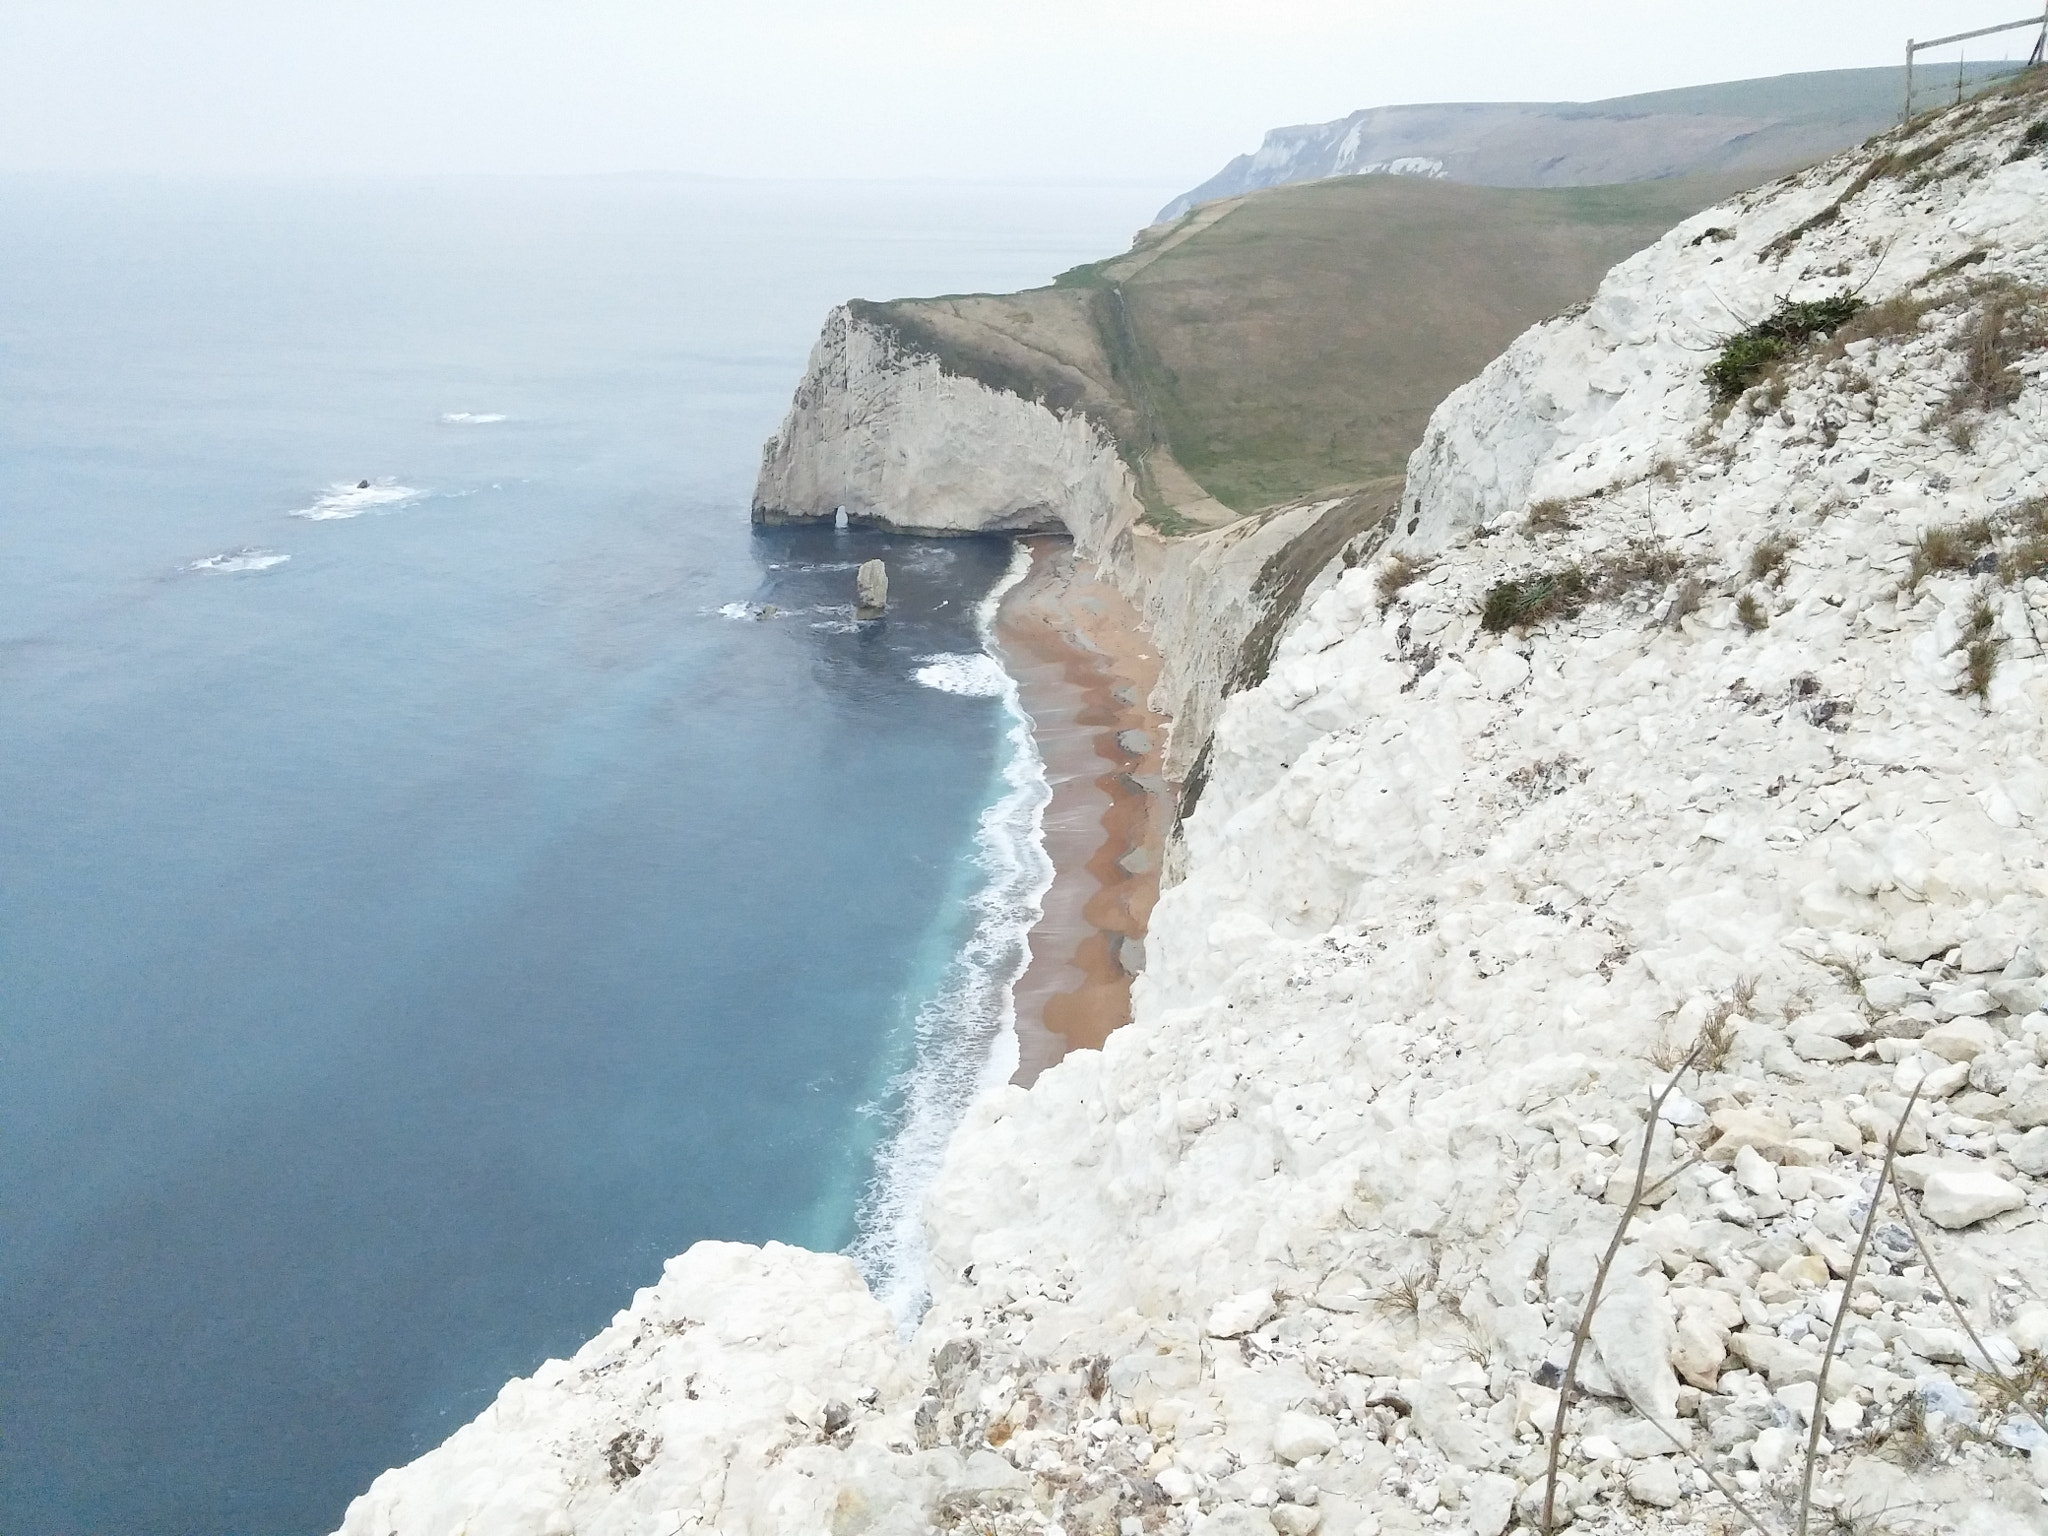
{"x": 891, "y": 437}
{"x": 1303, "y": 1248}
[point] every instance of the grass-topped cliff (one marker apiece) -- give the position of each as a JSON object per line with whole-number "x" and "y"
{"x": 1265, "y": 348}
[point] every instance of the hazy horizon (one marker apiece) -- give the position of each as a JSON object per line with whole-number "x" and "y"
{"x": 1125, "y": 92}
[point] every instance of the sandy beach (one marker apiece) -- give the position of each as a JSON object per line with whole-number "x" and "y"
{"x": 1086, "y": 668}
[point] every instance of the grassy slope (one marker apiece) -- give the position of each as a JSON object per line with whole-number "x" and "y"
{"x": 1302, "y": 342}
{"x": 1299, "y": 342}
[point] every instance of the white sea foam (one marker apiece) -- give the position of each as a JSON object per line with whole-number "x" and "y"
{"x": 354, "y": 500}
{"x": 470, "y": 418}
{"x": 966, "y": 1032}
{"x": 978, "y": 675}
{"x": 240, "y": 560}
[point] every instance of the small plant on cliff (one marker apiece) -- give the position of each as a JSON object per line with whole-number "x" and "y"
{"x": 1749, "y": 613}
{"x": 2011, "y": 322}
{"x": 1980, "y": 652}
{"x": 1768, "y": 558}
{"x": 1398, "y": 571}
{"x": 1524, "y": 600}
{"x": 1746, "y": 355}
{"x": 1950, "y": 547}
{"x": 1527, "y": 600}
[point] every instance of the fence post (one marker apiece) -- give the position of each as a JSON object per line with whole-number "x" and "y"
{"x": 1908, "y": 118}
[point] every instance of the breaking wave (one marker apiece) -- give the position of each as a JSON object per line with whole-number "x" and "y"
{"x": 966, "y": 1039}
{"x": 470, "y": 418}
{"x": 978, "y": 676}
{"x": 240, "y": 560}
{"x": 342, "y": 501}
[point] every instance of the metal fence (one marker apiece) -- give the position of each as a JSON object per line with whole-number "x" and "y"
{"x": 1914, "y": 48}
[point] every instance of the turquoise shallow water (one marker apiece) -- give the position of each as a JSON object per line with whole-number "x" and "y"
{"x": 407, "y": 943}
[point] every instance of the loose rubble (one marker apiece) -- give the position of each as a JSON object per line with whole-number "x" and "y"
{"x": 1303, "y": 1249}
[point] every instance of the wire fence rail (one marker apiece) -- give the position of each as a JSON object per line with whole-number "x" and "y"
{"x": 1914, "y": 47}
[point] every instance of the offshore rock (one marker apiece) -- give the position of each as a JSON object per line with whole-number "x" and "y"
{"x": 871, "y": 590}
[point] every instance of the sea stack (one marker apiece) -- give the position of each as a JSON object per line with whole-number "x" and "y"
{"x": 871, "y": 590}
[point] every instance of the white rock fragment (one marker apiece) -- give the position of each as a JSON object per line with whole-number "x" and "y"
{"x": 1963, "y": 1040}
{"x": 1489, "y": 1503}
{"x": 2031, "y": 1155}
{"x": 1961, "y": 1194}
{"x": 1654, "y": 1483}
{"x": 1240, "y": 1314}
{"x": 1298, "y": 1436}
{"x": 1754, "y": 1174}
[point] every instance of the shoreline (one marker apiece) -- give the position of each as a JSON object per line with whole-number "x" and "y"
{"x": 1085, "y": 669}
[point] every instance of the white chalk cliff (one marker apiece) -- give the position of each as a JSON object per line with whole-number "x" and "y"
{"x": 1300, "y": 1248}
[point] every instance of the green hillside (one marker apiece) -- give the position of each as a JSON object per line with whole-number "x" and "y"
{"x": 1292, "y": 341}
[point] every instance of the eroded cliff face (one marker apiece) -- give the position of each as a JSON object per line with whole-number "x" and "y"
{"x": 1303, "y": 1248}
{"x": 894, "y": 439}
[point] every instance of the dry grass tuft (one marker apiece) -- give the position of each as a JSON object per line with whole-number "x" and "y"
{"x": 1396, "y": 573}
{"x": 1897, "y": 317}
{"x": 1749, "y": 613}
{"x": 1950, "y": 547}
{"x": 1768, "y": 558}
{"x": 2029, "y": 553}
{"x": 1404, "y": 1294}
{"x": 2011, "y": 322}
{"x": 1686, "y": 600}
{"x": 1551, "y": 515}
{"x": 1717, "y": 1035}
{"x": 1980, "y": 652}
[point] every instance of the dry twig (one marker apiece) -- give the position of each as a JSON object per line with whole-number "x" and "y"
{"x": 1827, "y": 1356}
{"x": 1585, "y": 1328}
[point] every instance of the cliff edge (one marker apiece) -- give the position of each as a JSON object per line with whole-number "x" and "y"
{"x": 1686, "y": 732}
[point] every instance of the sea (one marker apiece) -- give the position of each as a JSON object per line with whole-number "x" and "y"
{"x": 449, "y": 860}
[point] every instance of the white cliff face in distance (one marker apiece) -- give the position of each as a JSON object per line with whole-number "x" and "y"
{"x": 891, "y": 437}
{"x": 1300, "y": 1249}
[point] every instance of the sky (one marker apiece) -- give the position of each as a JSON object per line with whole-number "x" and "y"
{"x": 1160, "y": 91}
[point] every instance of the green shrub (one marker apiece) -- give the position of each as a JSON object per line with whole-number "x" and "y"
{"x": 1524, "y": 600}
{"x": 1745, "y": 355}
{"x": 1532, "y": 599}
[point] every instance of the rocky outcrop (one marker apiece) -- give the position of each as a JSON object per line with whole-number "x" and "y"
{"x": 889, "y": 436}
{"x": 871, "y": 590}
{"x": 1303, "y": 1247}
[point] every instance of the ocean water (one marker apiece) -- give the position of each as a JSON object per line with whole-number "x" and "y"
{"x": 448, "y": 860}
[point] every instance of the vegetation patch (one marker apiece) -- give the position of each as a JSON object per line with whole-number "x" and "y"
{"x": 1896, "y": 318}
{"x": 1745, "y": 355}
{"x": 1522, "y": 601}
{"x": 1749, "y": 613}
{"x": 2029, "y": 553}
{"x": 1396, "y": 574}
{"x": 1980, "y": 651}
{"x": 1525, "y": 600}
{"x": 2010, "y": 323}
{"x": 1768, "y": 558}
{"x": 1951, "y": 547}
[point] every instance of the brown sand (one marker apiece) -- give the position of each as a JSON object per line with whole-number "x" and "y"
{"x": 1085, "y": 668}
